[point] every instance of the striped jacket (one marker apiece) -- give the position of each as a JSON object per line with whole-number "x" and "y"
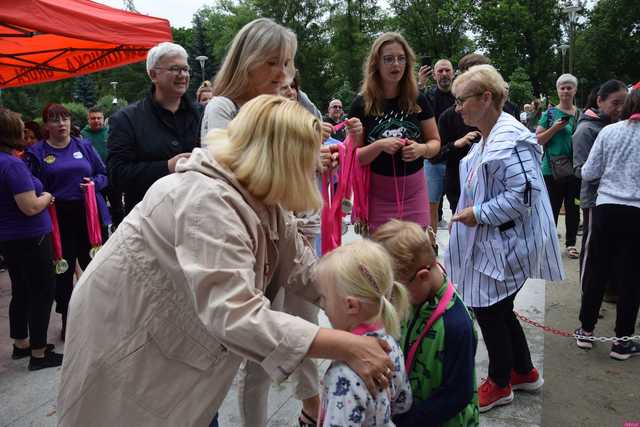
{"x": 516, "y": 235}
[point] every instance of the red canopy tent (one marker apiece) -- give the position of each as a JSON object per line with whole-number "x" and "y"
{"x": 46, "y": 40}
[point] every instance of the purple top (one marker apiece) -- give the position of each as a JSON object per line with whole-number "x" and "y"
{"x": 62, "y": 170}
{"x": 15, "y": 178}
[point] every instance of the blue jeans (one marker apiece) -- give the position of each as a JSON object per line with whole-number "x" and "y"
{"x": 435, "y": 180}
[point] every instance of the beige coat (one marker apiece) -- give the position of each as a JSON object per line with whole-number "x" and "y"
{"x": 163, "y": 316}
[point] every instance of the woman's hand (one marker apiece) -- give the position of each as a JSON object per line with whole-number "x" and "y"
{"x": 85, "y": 183}
{"x": 327, "y": 130}
{"x": 370, "y": 361}
{"x": 390, "y": 145}
{"x": 329, "y": 157}
{"x": 466, "y": 216}
{"x": 467, "y": 139}
{"x": 49, "y": 195}
{"x": 413, "y": 151}
{"x": 354, "y": 127}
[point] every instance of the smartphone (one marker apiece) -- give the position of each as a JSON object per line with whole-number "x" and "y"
{"x": 563, "y": 119}
{"x": 425, "y": 60}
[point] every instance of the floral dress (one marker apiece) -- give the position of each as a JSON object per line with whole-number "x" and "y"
{"x": 346, "y": 401}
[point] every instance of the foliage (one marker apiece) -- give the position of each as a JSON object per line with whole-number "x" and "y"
{"x": 84, "y": 90}
{"x": 78, "y": 113}
{"x": 107, "y": 105}
{"x": 611, "y": 37}
{"x": 352, "y": 27}
{"x": 520, "y": 88}
{"x": 334, "y": 37}
{"x": 436, "y": 27}
{"x": 521, "y": 33}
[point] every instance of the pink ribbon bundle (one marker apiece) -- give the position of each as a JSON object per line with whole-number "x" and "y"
{"x": 353, "y": 179}
{"x": 60, "y": 264}
{"x": 93, "y": 220}
{"x": 331, "y": 216}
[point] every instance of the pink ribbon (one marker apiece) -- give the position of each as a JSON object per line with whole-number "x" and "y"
{"x": 331, "y": 216}
{"x": 59, "y": 263}
{"x": 353, "y": 180}
{"x": 437, "y": 313}
{"x": 93, "y": 221}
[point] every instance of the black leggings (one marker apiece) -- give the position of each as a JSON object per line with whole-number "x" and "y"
{"x": 75, "y": 246}
{"x": 567, "y": 191}
{"x": 30, "y": 263}
{"x": 505, "y": 341}
{"x": 614, "y": 259}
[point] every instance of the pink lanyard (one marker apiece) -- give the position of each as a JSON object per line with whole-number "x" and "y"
{"x": 365, "y": 328}
{"x": 399, "y": 197}
{"x": 437, "y": 313}
{"x": 93, "y": 221}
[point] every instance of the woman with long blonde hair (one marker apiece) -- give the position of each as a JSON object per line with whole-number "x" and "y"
{"x": 399, "y": 133}
{"x": 166, "y": 312}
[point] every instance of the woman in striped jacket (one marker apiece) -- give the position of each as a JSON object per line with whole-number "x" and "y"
{"x": 503, "y": 231}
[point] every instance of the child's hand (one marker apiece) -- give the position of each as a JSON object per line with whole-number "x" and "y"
{"x": 370, "y": 361}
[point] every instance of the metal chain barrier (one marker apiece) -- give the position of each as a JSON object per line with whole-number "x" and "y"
{"x": 568, "y": 334}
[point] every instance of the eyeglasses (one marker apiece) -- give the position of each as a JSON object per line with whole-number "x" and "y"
{"x": 460, "y": 100}
{"x": 176, "y": 69}
{"x": 390, "y": 59}
{"x": 337, "y": 107}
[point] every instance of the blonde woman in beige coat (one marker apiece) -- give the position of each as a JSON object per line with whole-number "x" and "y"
{"x": 168, "y": 309}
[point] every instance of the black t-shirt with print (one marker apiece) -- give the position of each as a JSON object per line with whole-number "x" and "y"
{"x": 393, "y": 122}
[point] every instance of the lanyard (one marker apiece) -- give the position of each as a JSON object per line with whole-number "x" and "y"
{"x": 399, "y": 196}
{"x": 437, "y": 313}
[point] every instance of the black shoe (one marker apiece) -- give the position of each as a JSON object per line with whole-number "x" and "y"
{"x": 622, "y": 350}
{"x": 50, "y": 360}
{"x": 21, "y": 353}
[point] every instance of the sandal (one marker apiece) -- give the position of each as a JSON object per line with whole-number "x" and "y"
{"x": 572, "y": 252}
{"x": 305, "y": 420}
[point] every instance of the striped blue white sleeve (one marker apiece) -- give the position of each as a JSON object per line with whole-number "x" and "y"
{"x": 522, "y": 188}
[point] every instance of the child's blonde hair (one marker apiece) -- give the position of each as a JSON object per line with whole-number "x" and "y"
{"x": 408, "y": 244}
{"x": 363, "y": 269}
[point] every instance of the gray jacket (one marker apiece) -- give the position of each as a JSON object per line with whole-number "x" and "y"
{"x": 590, "y": 124}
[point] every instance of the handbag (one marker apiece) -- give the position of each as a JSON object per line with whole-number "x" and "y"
{"x": 561, "y": 167}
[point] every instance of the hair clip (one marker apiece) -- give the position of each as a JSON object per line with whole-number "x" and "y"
{"x": 364, "y": 270}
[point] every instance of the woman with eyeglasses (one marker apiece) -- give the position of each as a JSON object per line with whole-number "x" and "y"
{"x": 399, "y": 133}
{"x": 65, "y": 165}
{"x": 503, "y": 231}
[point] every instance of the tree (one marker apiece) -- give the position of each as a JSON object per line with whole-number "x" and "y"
{"x": 520, "y": 88}
{"x": 521, "y": 33}
{"x": 435, "y": 27}
{"x": 84, "y": 90}
{"x": 611, "y": 37}
{"x": 353, "y": 25}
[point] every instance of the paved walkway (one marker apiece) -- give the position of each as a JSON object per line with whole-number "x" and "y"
{"x": 28, "y": 398}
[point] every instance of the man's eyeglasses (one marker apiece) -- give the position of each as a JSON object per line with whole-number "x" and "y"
{"x": 176, "y": 69}
{"x": 390, "y": 59}
{"x": 336, "y": 107}
{"x": 460, "y": 100}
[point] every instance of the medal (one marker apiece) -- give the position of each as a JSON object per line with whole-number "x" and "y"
{"x": 61, "y": 266}
{"x": 347, "y": 206}
{"x": 93, "y": 251}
